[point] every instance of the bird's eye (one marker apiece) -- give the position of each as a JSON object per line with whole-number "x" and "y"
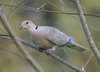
{"x": 26, "y": 22}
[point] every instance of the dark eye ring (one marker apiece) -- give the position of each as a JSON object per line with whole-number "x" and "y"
{"x": 26, "y": 22}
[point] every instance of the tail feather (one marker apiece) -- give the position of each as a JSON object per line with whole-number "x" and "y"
{"x": 76, "y": 46}
{"x": 72, "y": 44}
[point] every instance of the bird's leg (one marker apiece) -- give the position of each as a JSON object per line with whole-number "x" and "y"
{"x": 50, "y": 50}
{"x": 41, "y": 49}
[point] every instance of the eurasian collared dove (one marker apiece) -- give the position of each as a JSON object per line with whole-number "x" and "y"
{"x": 47, "y": 37}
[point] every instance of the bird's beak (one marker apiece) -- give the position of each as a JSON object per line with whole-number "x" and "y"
{"x": 21, "y": 27}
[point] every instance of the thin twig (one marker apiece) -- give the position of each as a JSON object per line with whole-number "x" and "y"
{"x": 17, "y": 42}
{"x": 50, "y": 54}
{"x": 86, "y": 64}
{"x": 87, "y": 31}
{"x": 69, "y": 13}
{"x": 64, "y": 62}
{"x": 4, "y": 35}
{"x": 56, "y": 12}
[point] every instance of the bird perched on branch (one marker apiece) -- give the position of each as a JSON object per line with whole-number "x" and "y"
{"x": 48, "y": 38}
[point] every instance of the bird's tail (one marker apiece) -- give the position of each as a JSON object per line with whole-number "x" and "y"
{"x": 78, "y": 46}
{"x": 72, "y": 44}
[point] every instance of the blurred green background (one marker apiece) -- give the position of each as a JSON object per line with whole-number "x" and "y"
{"x": 11, "y": 59}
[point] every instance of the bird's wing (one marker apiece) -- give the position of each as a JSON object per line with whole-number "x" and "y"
{"x": 53, "y": 35}
{"x": 40, "y": 41}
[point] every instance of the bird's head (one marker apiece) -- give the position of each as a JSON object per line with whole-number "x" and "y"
{"x": 28, "y": 24}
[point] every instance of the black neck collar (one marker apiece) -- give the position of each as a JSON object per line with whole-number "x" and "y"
{"x": 36, "y": 27}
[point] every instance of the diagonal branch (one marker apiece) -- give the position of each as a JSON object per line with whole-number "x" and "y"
{"x": 53, "y": 56}
{"x": 17, "y": 42}
{"x": 87, "y": 31}
{"x": 50, "y": 54}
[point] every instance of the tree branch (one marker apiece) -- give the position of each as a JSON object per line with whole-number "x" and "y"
{"x": 17, "y": 42}
{"x": 69, "y": 13}
{"x": 50, "y": 54}
{"x": 3, "y": 34}
{"x": 53, "y": 56}
{"x": 87, "y": 31}
{"x": 56, "y": 12}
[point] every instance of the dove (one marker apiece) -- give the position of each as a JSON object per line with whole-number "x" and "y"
{"x": 48, "y": 38}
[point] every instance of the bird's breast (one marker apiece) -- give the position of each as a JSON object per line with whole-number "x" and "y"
{"x": 41, "y": 41}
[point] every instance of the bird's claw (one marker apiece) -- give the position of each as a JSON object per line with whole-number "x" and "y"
{"x": 48, "y": 51}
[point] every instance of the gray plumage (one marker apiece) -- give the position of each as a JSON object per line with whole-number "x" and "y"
{"x": 47, "y": 37}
